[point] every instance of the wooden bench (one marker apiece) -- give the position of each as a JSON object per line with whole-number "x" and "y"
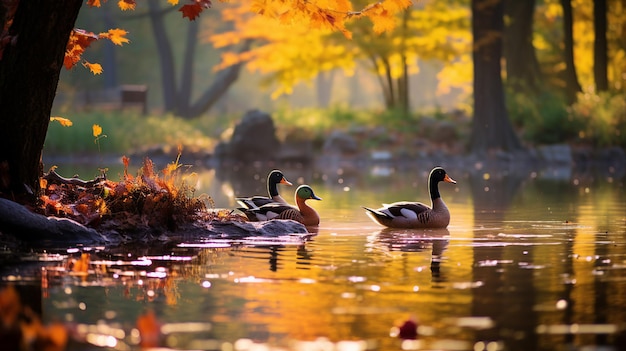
{"x": 119, "y": 98}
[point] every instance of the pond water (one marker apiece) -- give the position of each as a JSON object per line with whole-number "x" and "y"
{"x": 531, "y": 260}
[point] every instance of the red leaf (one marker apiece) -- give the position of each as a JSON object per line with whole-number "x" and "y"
{"x": 191, "y": 11}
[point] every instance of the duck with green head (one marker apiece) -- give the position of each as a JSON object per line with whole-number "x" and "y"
{"x": 406, "y": 214}
{"x": 274, "y": 178}
{"x": 303, "y": 213}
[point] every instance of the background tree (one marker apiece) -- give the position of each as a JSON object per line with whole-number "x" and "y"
{"x": 523, "y": 72}
{"x": 491, "y": 128}
{"x": 572, "y": 86}
{"x": 600, "y": 47}
{"x": 391, "y": 49}
{"x": 177, "y": 90}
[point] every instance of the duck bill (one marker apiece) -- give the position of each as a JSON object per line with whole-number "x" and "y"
{"x": 315, "y": 197}
{"x": 449, "y": 180}
{"x": 285, "y": 181}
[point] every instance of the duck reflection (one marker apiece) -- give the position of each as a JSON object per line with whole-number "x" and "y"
{"x": 411, "y": 240}
{"x": 275, "y": 255}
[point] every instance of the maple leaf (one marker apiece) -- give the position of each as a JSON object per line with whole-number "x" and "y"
{"x": 382, "y": 22}
{"x": 95, "y": 68}
{"x": 126, "y": 4}
{"x": 194, "y": 9}
{"x": 83, "y": 38}
{"x": 79, "y": 41}
{"x": 94, "y": 3}
{"x": 116, "y": 36}
{"x": 191, "y": 11}
{"x": 63, "y": 121}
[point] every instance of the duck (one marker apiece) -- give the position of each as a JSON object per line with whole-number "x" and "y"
{"x": 407, "y": 214}
{"x": 303, "y": 213}
{"x": 274, "y": 178}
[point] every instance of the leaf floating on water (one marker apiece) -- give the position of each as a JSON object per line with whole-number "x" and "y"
{"x": 150, "y": 330}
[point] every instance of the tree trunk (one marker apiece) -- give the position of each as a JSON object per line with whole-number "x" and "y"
{"x": 324, "y": 88}
{"x": 522, "y": 67}
{"x": 166, "y": 57}
{"x": 600, "y": 59}
{"x": 186, "y": 81}
{"x": 29, "y": 74}
{"x": 388, "y": 79}
{"x": 403, "y": 80}
{"x": 572, "y": 87}
{"x": 223, "y": 80}
{"x": 491, "y": 128}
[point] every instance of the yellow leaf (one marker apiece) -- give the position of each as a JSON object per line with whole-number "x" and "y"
{"x": 95, "y": 68}
{"x": 63, "y": 121}
{"x": 116, "y": 36}
{"x": 173, "y": 2}
{"x": 97, "y": 130}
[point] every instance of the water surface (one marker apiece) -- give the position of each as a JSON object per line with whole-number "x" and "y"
{"x": 530, "y": 261}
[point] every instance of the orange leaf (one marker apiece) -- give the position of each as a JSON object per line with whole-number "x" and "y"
{"x": 63, "y": 121}
{"x": 82, "y": 264}
{"x": 10, "y": 305}
{"x": 126, "y": 4}
{"x": 76, "y": 45}
{"x": 83, "y": 38}
{"x": 94, "y": 3}
{"x": 149, "y": 329}
{"x": 97, "y": 130}
{"x": 95, "y": 68}
{"x": 116, "y": 36}
{"x": 173, "y": 2}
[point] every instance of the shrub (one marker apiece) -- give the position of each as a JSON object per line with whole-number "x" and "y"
{"x": 543, "y": 118}
{"x": 605, "y": 116}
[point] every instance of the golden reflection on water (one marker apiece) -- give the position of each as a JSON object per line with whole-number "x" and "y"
{"x": 524, "y": 264}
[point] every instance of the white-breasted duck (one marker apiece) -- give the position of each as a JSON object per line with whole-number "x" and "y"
{"x": 407, "y": 214}
{"x": 274, "y": 178}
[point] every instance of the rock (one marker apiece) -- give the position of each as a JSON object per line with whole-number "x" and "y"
{"x": 254, "y": 139}
{"x": 267, "y": 228}
{"x": 237, "y": 230}
{"x": 614, "y": 155}
{"x": 556, "y": 154}
{"x": 341, "y": 142}
{"x": 444, "y": 132}
{"x": 37, "y": 229}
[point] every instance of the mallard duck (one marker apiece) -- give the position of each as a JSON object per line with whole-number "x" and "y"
{"x": 274, "y": 178}
{"x": 406, "y": 214}
{"x": 304, "y": 213}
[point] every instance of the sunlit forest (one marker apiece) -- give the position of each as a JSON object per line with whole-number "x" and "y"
{"x": 562, "y": 66}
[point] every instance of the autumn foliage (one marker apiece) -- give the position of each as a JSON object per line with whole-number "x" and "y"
{"x": 160, "y": 200}
{"x": 320, "y": 14}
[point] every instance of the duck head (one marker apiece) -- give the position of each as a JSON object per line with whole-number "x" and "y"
{"x": 277, "y": 177}
{"x": 305, "y": 192}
